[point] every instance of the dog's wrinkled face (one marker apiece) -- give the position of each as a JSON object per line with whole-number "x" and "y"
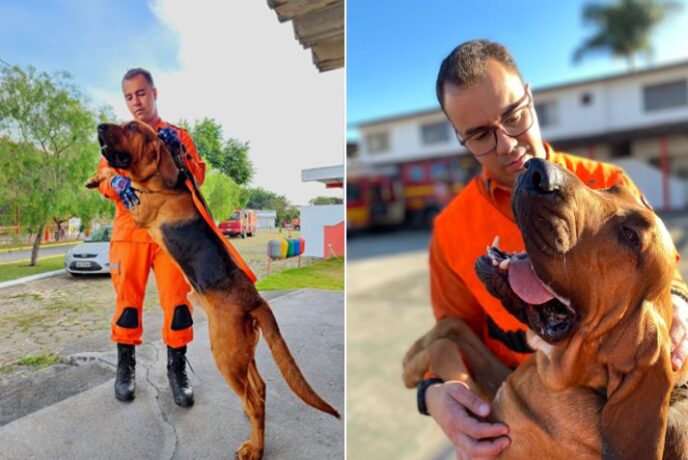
{"x": 135, "y": 147}
{"x": 590, "y": 255}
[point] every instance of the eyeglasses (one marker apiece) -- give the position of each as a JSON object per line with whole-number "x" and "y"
{"x": 513, "y": 123}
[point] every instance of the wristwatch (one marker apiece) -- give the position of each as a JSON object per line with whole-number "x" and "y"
{"x": 420, "y": 396}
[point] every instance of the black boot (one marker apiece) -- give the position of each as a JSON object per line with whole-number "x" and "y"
{"x": 125, "y": 383}
{"x": 182, "y": 391}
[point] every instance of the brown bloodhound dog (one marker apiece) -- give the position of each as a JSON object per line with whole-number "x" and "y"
{"x": 235, "y": 310}
{"x": 600, "y": 383}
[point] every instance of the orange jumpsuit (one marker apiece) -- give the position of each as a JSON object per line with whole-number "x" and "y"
{"x": 133, "y": 253}
{"x": 469, "y": 224}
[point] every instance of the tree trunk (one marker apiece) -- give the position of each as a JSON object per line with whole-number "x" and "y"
{"x": 36, "y": 245}
{"x": 58, "y": 232}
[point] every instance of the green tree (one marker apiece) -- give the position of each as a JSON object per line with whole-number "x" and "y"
{"x": 265, "y": 199}
{"x": 288, "y": 214}
{"x": 259, "y": 198}
{"x": 222, "y": 194}
{"x": 230, "y": 156}
{"x": 321, "y": 200}
{"x": 624, "y": 27}
{"x": 50, "y": 146}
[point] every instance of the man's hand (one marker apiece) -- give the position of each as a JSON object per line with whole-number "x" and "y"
{"x": 170, "y": 137}
{"x": 679, "y": 331}
{"x": 450, "y": 404}
{"x": 122, "y": 186}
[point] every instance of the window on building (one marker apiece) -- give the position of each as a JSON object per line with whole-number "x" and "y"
{"x": 351, "y": 150}
{"x": 433, "y": 133}
{"x": 621, "y": 149}
{"x": 665, "y": 95}
{"x": 546, "y": 113}
{"x": 586, "y": 99}
{"x": 378, "y": 142}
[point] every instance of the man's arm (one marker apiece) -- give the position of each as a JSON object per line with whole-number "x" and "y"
{"x": 453, "y": 404}
{"x": 449, "y": 294}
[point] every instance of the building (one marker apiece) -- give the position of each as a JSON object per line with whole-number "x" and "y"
{"x": 265, "y": 220}
{"x": 637, "y": 119}
{"x": 322, "y": 226}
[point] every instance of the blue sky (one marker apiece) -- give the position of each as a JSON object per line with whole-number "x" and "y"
{"x": 394, "y": 48}
{"x": 92, "y": 40}
{"x": 230, "y": 60}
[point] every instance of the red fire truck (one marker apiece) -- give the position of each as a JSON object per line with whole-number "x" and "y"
{"x": 412, "y": 192}
{"x": 241, "y": 223}
{"x": 374, "y": 199}
{"x": 430, "y": 184}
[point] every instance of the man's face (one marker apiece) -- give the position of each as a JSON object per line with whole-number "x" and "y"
{"x": 483, "y": 105}
{"x": 140, "y": 98}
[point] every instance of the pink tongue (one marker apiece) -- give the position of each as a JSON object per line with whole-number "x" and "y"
{"x": 525, "y": 282}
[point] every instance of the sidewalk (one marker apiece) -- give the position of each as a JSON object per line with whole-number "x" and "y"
{"x": 92, "y": 424}
{"x": 387, "y": 309}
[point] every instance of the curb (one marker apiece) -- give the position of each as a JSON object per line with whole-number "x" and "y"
{"x": 26, "y": 279}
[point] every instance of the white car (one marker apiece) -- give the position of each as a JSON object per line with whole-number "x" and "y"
{"x": 92, "y": 256}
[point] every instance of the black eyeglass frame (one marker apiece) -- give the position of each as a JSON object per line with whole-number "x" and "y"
{"x": 493, "y": 129}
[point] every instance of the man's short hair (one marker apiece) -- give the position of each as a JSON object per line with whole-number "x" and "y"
{"x": 465, "y": 65}
{"x": 131, "y": 73}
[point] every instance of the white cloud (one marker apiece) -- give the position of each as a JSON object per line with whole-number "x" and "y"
{"x": 239, "y": 65}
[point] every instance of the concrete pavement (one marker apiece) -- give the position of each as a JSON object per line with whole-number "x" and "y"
{"x": 92, "y": 424}
{"x": 388, "y": 307}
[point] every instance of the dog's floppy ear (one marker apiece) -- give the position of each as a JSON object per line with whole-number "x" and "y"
{"x": 104, "y": 175}
{"x": 634, "y": 419}
{"x": 166, "y": 167}
{"x": 93, "y": 182}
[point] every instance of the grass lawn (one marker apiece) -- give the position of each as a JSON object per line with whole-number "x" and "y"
{"x": 38, "y": 361}
{"x": 24, "y": 246}
{"x": 325, "y": 274}
{"x": 21, "y": 269}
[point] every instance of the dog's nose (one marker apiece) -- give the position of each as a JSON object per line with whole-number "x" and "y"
{"x": 542, "y": 176}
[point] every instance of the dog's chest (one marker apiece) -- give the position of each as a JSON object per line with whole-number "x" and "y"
{"x": 199, "y": 253}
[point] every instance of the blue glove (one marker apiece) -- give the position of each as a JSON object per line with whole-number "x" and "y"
{"x": 170, "y": 137}
{"x": 122, "y": 186}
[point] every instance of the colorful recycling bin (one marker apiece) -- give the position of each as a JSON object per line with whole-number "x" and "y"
{"x": 275, "y": 249}
{"x": 286, "y": 248}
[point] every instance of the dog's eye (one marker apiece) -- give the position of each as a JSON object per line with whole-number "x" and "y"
{"x": 631, "y": 236}
{"x": 132, "y": 127}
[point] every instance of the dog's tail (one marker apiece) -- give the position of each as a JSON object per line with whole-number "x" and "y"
{"x": 285, "y": 361}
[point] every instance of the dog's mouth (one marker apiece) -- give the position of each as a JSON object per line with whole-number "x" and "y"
{"x": 512, "y": 279}
{"x": 115, "y": 158}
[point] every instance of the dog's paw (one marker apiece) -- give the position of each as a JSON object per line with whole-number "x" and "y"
{"x": 247, "y": 451}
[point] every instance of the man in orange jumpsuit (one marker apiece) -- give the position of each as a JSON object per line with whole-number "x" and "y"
{"x": 133, "y": 253}
{"x": 482, "y": 94}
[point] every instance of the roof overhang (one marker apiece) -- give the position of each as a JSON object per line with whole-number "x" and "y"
{"x": 331, "y": 176}
{"x": 318, "y": 25}
{"x": 625, "y": 135}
